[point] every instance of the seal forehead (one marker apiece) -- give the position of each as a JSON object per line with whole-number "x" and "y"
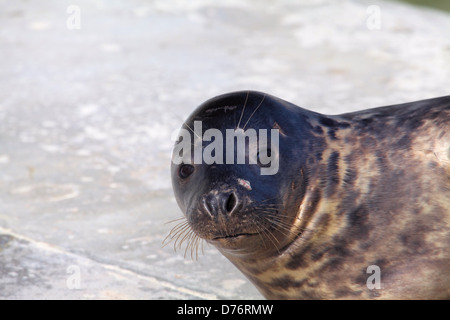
{"x": 224, "y": 109}
{"x": 226, "y": 105}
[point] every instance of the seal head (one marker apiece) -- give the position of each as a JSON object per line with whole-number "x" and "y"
{"x": 231, "y": 204}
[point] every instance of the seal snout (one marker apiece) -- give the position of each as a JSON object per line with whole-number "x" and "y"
{"x": 216, "y": 202}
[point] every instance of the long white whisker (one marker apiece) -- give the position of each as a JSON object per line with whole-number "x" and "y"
{"x": 193, "y": 131}
{"x": 254, "y": 112}
{"x": 242, "y": 113}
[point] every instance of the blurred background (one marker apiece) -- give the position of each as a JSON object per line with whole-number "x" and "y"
{"x": 93, "y": 92}
{"x": 437, "y": 4}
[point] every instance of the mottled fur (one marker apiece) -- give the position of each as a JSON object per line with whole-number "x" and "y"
{"x": 373, "y": 188}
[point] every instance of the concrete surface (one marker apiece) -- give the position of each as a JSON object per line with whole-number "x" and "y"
{"x": 87, "y": 115}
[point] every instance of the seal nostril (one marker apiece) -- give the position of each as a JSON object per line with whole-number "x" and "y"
{"x": 208, "y": 207}
{"x": 231, "y": 203}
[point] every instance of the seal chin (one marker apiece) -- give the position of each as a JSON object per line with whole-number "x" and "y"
{"x": 236, "y": 245}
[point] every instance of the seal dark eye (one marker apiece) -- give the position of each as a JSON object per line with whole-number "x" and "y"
{"x": 185, "y": 171}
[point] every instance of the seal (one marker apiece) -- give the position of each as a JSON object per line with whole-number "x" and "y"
{"x": 357, "y": 205}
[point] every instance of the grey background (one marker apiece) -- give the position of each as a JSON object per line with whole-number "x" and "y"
{"x": 88, "y": 117}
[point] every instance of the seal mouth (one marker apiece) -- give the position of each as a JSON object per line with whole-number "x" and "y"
{"x": 236, "y": 244}
{"x": 234, "y": 236}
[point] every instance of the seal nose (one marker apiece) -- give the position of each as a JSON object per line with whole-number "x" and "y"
{"x": 222, "y": 202}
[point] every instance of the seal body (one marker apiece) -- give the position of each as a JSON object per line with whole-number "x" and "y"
{"x": 358, "y": 209}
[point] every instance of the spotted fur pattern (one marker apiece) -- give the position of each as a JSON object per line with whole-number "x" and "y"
{"x": 378, "y": 193}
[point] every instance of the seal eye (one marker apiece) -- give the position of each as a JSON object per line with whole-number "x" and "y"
{"x": 185, "y": 171}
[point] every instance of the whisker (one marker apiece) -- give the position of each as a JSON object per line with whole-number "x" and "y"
{"x": 182, "y": 234}
{"x": 178, "y": 228}
{"x": 175, "y": 220}
{"x": 191, "y": 243}
{"x": 242, "y": 113}
{"x": 280, "y": 218}
{"x": 254, "y": 112}
{"x": 186, "y": 233}
{"x": 197, "y": 243}
{"x": 278, "y": 221}
{"x": 192, "y": 131}
{"x": 267, "y": 234}
{"x": 194, "y": 247}
{"x": 279, "y": 226}
{"x": 261, "y": 231}
{"x": 274, "y": 238}
{"x": 174, "y": 232}
{"x": 263, "y": 208}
